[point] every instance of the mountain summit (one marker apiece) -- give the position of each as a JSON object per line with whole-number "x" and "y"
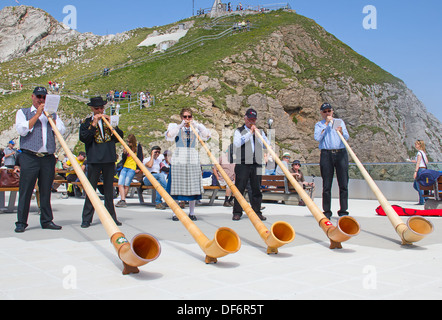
{"x": 26, "y": 29}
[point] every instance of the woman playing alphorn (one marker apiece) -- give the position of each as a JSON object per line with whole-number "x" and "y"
{"x": 185, "y": 180}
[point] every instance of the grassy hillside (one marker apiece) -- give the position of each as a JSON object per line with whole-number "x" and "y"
{"x": 162, "y": 74}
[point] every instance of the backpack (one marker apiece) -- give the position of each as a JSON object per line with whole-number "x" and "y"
{"x": 428, "y": 177}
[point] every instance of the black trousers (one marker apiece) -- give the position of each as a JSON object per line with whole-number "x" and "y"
{"x": 329, "y": 161}
{"x": 31, "y": 169}
{"x": 94, "y": 171}
{"x": 243, "y": 174}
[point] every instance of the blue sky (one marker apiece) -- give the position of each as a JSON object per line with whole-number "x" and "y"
{"x": 406, "y": 41}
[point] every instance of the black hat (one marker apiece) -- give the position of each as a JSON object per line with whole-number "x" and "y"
{"x": 326, "y": 106}
{"x": 296, "y": 162}
{"x": 97, "y": 102}
{"x": 40, "y": 91}
{"x": 251, "y": 113}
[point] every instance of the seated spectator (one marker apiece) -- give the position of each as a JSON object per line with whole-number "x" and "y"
{"x": 227, "y": 164}
{"x": 270, "y": 164}
{"x": 129, "y": 169}
{"x": 153, "y": 164}
{"x": 297, "y": 173}
{"x": 300, "y": 178}
{"x": 72, "y": 177}
{"x": 285, "y": 161}
{"x": 165, "y": 164}
{"x": 58, "y": 175}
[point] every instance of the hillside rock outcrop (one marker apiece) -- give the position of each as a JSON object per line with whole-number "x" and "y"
{"x": 384, "y": 119}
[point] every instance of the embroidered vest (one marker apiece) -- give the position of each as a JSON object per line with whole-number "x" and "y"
{"x": 33, "y": 141}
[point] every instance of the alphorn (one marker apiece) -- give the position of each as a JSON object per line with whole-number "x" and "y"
{"x": 280, "y": 233}
{"x": 225, "y": 241}
{"x": 143, "y": 249}
{"x": 416, "y": 227}
{"x": 347, "y": 226}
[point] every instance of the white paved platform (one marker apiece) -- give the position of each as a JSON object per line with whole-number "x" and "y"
{"x": 77, "y": 263}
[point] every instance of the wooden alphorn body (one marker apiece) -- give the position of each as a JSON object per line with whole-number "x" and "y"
{"x": 225, "y": 241}
{"x": 281, "y": 232}
{"x": 416, "y": 227}
{"x": 347, "y": 226}
{"x": 144, "y": 247}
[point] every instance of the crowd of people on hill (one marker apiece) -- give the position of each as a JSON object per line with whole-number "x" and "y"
{"x": 115, "y": 96}
{"x": 118, "y": 95}
{"x": 55, "y": 86}
{"x": 242, "y": 26}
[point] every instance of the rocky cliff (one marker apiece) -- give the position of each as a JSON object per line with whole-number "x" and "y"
{"x": 26, "y": 29}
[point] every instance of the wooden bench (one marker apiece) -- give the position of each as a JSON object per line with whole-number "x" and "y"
{"x": 278, "y": 188}
{"x": 434, "y": 191}
{"x": 273, "y": 188}
{"x": 433, "y": 194}
{"x": 135, "y": 185}
{"x": 212, "y": 193}
{"x": 12, "y": 196}
{"x": 211, "y": 190}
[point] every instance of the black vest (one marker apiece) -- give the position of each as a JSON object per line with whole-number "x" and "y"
{"x": 245, "y": 154}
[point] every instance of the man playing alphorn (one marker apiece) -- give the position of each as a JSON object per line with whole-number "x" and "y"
{"x": 37, "y": 160}
{"x": 101, "y": 157}
{"x": 333, "y": 156}
{"x": 248, "y": 161}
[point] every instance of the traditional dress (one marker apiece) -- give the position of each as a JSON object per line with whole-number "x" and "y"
{"x": 185, "y": 179}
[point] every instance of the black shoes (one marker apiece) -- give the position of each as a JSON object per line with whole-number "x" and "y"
{"x": 237, "y": 217}
{"x": 341, "y": 214}
{"x": 20, "y": 229}
{"x": 52, "y": 226}
{"x": 88, "y": 224}
{"x": 85, "y": 224}
{"x": 191, "y": 216}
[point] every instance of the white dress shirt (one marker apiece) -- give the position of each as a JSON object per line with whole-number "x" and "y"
{"x": 22, "y": 126}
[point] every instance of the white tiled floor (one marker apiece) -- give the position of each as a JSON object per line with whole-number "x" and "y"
{"x": 77, "y": 263}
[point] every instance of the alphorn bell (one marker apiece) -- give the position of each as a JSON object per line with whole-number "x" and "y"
{"x": 143, "y": 249}
{"x": 416, "y": 228}
{"x": 280, "y": 233}
{"x": 347, "y": 226}
{"x": 225, "y": 241}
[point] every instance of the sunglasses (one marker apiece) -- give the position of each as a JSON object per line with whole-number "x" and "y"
{"x": 327, "y": 111}
{"x": 187, "y": 117}
{"x": 39, "y": 96}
